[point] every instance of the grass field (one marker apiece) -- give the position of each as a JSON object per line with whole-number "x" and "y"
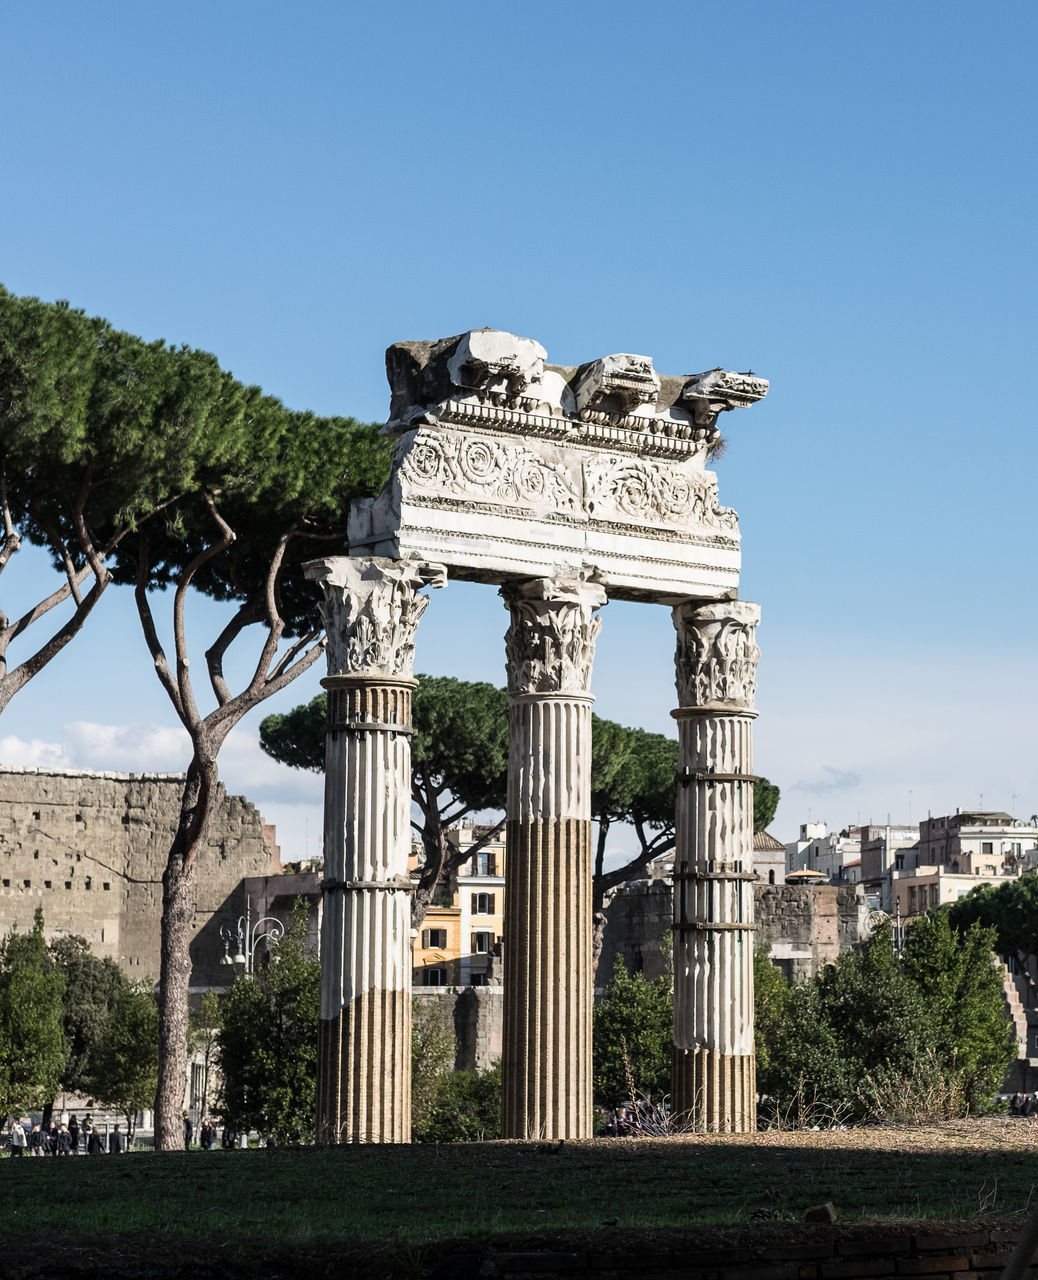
{"x": 407, "y": 1197}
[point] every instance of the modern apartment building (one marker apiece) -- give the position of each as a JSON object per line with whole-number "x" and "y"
{"x": 457, "y": 945}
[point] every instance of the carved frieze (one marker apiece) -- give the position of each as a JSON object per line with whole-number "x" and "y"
{"x": 371, "y": 610}
{"x": 550, "y": 643}
{"x": 717, "y": 654}
{"x": 487, "y": 469}
{"x": 622, "y": 488}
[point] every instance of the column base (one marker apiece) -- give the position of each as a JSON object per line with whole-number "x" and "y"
{"x": 364, "y": 1071}
{"x": 546, "y": 1057}
{"x": 716, "y": 1092}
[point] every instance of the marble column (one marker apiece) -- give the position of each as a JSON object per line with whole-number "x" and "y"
{"x": 546, "y": 1062}
{"x": 371, "y": 610}
{"x": 714, "y": 1078}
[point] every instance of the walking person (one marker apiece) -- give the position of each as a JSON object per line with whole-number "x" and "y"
{"x": 36, "y": 1141}
{"x": 73, "y": 1130}
{"x": 95, "y": 1144}
{"x": 64, "y": 1141}
{"x": 189, "y": 1130}
{"x": 115, "y": 1142}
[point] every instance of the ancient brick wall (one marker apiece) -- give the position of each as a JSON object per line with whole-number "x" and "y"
{"x": 808, "y": 926}
{"x": 90, "y": 849}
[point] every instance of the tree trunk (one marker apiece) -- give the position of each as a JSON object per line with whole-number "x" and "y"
{"x": 178, "y": 913}
{"x": 598, "y": 927}
{"x": 434, "y": 839}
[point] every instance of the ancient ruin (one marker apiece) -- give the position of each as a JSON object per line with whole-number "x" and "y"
{"x": 564, "y": 486}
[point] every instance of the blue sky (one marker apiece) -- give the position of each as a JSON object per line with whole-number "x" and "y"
{"x": 840, "y": 196}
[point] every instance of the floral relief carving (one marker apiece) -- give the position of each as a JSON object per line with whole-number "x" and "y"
{"x": 717, "y": 654}
{"x": 550, "y": 644}
{"x": 636, "y": 489}
{"x": 485, "y": 468}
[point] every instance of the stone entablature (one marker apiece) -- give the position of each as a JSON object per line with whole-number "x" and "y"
{"x": 509, "y": 467}
{"x": 90, "y": 849}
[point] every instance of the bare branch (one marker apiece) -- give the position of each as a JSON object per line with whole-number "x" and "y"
{"x": 214, "y": 655}
{"x": 275, "y": 623}
{"x": 289, "y": 656}
{"x": 188, "y": 708}
{"x": 12, "y": 538}
{"x": 151, "y": 636}
{"x": 11, "y": 682}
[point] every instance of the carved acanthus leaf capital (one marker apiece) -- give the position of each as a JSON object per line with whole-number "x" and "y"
{"x": 717, "y": 653}
{"x": 371, "y": 610}
{"x": 550, "y": 644}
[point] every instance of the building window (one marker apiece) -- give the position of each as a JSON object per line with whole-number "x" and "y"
{"x": 482, "y": 942}
{"x": 434, "y": 938}
{"x": 486, "y": 864}
{"x": 934, "y": 895}
{"x": 46, "y": 884}
{"x": 482, "y": 904}
{"x": 435, "y": 977}
{"x": 911, "y": 901}
{"x": 478, "y": 980}
{"x": 987, "y": 846}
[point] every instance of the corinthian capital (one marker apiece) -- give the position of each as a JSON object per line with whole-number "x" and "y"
{"x": 371, "y": 610}
{"x": 550, "y": 644}
{"x": 716, "y": 659}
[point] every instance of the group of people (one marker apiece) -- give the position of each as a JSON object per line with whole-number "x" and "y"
{"x": 206, "y": 1134}
{"x": 1023, "y": 1104}
{"x": 64, "y": 1139}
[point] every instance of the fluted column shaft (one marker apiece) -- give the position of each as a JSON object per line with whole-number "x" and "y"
{"x": 371, "y": 611}
{"x": 546, "y": 1060}
{"x": 714, "y": 1078}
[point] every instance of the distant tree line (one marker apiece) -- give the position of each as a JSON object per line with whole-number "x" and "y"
{"x": 874, "y": 1036}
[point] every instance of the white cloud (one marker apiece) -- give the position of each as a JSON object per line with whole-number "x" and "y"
{"x": 19, "y": 753}
{"x": 129, "y": 748}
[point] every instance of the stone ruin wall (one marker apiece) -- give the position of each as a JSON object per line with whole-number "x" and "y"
{"x": 90, "y": 849}
{"x": 806, "y": 926}
{"x": 473, "y": 1015}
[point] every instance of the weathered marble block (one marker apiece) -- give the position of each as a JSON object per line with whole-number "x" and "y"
{"x": 507, "y": 467}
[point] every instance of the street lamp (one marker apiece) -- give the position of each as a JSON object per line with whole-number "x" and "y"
{"x": 247, "y": 936}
